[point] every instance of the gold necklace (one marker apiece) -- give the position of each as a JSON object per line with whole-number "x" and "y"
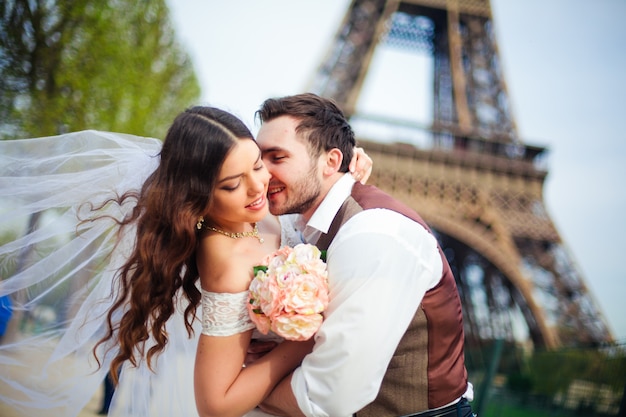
{"x": 238, "y": 235}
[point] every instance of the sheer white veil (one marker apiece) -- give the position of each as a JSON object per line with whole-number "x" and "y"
{"x": 57, "y": 274}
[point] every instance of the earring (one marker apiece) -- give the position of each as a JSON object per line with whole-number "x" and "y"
{"x": 200, "y": 223}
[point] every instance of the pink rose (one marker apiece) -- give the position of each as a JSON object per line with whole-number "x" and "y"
{"x": 297, "y": 327}
{"x": 269, "y": 296}
{"x": 309, "y": 258}
{"x": 260, "y": 320}
{"x": 277, "y": 258}
{"x": 305, "y": 294}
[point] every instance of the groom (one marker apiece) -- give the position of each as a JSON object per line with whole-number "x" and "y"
{"x": 392, "y": 340}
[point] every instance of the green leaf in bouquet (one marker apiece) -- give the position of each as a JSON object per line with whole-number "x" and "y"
{"x": 257, "y": 268}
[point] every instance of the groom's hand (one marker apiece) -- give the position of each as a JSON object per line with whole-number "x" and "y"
{"x": 258, "y": 349}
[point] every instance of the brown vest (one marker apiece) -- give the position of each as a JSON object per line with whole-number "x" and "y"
{"x": 428, "y": 367}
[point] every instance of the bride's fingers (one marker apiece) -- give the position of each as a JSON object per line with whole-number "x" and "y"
{"x": 361, "y": 165}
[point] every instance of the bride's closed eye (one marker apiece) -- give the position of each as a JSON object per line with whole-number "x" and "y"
{"x": 230, "y": 187}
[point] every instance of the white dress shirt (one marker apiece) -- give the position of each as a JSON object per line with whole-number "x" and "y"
{"x": 380, "y": 265}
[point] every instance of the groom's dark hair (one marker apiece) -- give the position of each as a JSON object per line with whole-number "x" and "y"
{"x": 320, "y": 122}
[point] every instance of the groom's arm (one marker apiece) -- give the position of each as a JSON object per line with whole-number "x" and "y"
{"x": 281, "y": 401}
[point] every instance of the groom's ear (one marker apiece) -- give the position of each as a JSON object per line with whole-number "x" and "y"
{"x": 334, "y": 158}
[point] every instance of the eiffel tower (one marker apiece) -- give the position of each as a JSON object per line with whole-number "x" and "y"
{"x": 470, "y": 177}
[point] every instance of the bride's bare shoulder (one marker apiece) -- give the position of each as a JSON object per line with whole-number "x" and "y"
{"x": 223, "y": 267}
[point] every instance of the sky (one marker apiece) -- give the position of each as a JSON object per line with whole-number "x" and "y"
{"x": 564, "y": 64}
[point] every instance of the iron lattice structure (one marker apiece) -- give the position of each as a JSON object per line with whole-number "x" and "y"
{"x": 476, "y": 183}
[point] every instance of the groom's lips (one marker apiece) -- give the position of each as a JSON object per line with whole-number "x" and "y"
{"x": 271, "y": 191}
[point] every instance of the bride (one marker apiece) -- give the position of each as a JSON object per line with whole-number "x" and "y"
{"x": 162, "y": 230}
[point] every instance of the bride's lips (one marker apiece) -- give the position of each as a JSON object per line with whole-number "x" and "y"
{"x": 257, "y": 204}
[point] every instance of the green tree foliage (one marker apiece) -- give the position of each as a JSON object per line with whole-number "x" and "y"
{"x": 68, "y": 65}
{"x": 552, "y": 372}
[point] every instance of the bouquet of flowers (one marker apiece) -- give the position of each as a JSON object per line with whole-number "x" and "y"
{"x": 289, "y": 292}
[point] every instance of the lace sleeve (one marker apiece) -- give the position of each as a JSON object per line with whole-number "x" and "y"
{"x": 225, "y": 314}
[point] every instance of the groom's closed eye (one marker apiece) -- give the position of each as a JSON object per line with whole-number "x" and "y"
{"x": 274, "y": 156}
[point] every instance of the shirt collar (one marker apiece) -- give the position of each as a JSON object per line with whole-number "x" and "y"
{"x": 323, "y": 216}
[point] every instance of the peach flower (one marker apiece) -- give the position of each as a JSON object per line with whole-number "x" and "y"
{"x": 297, "y": 327}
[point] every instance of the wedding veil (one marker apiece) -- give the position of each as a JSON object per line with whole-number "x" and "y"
{"x": 57, "y": 273}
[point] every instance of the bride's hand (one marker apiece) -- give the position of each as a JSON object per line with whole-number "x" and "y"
{"x": 361, "y": 165}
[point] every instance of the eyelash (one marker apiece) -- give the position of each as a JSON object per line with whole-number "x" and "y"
{"x": 256, "y": 168}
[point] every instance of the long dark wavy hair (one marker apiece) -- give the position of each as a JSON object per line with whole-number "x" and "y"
{"x": 167, "y": 209}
